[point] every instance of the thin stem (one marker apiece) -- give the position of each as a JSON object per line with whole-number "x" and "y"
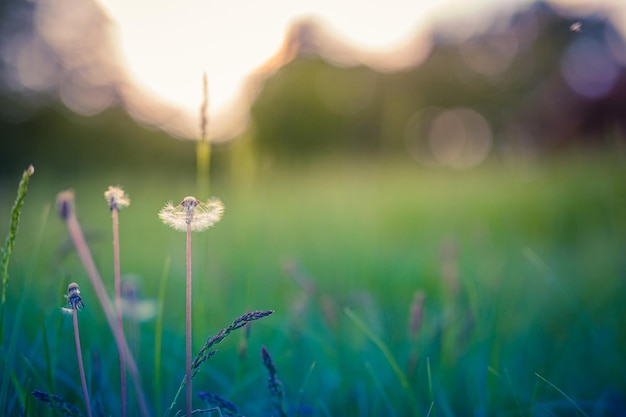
{"x": 188, "y": 324}
{"x": 66, "y": 202}
{"x": 158, "y": 337}
{"x": 203, "y": 147}
{"x": 118, "y": 302}
{"x": 81, "y": 368}
{"x": 386, "y": 353}
{"x": 560, "y": 391}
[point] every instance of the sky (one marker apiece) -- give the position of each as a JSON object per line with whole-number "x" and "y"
{"x": 164, "y": 47}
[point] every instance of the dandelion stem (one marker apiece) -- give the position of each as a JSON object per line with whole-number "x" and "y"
{"x": 81, "y": 368}
{"x": 188, "y": 324}
{"x": 190, "y": 215}
{"x": 118, "y": 301}
{"x": 65, "y": 202}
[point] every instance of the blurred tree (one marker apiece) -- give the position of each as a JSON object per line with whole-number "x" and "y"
{"x": 310, "y": 107}
{"x": 514, "y": 74}
{"x": 61, "y": 143}
{"x": 537, "y": 84}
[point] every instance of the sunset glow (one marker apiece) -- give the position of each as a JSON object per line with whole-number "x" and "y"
{"x": 151, "y": 55}
{"x": 167, "y": 46}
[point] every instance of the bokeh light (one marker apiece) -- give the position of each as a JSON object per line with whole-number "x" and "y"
{"x": 589, "y": 68}
{"x": 458, "y": 138}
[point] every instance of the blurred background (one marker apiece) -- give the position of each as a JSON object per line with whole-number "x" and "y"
{"x": 101, "y": 85}
{"x": 452, "y": 172}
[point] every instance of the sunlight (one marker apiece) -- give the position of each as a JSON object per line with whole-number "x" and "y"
{"x": 150, "y": 56}
{"x": 167, "y": 46}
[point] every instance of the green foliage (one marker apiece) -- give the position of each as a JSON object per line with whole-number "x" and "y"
{"x": 521, "y": 268}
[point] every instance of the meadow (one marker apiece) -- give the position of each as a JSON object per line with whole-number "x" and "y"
{"x": 396, "y": 290}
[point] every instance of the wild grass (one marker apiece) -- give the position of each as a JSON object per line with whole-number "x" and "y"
{"x": 521, "y": 270}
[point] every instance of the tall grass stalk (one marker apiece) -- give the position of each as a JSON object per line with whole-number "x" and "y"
{"x": 9, "y": 355}
{"x": 57, "y": 403}
{"x": 203, "y": 147}
{"x": 16, "y": 212}
{"x": 6, "y": 251}
{"x": 65, "y": 206}
{"x": 274, "y": 385}
{"x": 206, "y": 351}
{"x": 387, "y": 354}
{"x": 116, "y": 198}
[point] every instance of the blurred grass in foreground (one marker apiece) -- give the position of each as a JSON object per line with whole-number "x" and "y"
{"x": 522, "y": 271}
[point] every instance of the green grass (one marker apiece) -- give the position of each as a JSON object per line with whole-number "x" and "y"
{"x": 537, "y": 252}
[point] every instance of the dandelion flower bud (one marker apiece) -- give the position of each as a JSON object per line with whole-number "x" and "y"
{"x": 65, "y": 204}
{"x": 74, "y": 299}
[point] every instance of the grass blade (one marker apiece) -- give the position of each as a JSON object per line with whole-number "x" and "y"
{"x": 301, "y": 390}
{"x": 158, "y": 336}
{"x": 567, "y": 397}
{"x": 46, "y": 351}
{"x": 387, "y": 354}
{"x": 381, "y": 390}
{"x": 430, "y": 388}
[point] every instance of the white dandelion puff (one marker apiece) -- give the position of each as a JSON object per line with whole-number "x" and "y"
{"x": 198, "y": 215}
{"x": 116, "y": 197}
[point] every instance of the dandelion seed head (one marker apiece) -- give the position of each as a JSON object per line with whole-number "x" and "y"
{"x": 189, "y": 201}
{"x": 116, "y": 197}
{"x": 193, "y": 213}
{"x": 72, "y": 288}
{"x": 74, "y": 299}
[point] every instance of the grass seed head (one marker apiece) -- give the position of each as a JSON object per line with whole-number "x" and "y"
{"x": 58, "y": 403}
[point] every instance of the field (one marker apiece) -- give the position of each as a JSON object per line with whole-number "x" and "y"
{"x": 396, "y": 290}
